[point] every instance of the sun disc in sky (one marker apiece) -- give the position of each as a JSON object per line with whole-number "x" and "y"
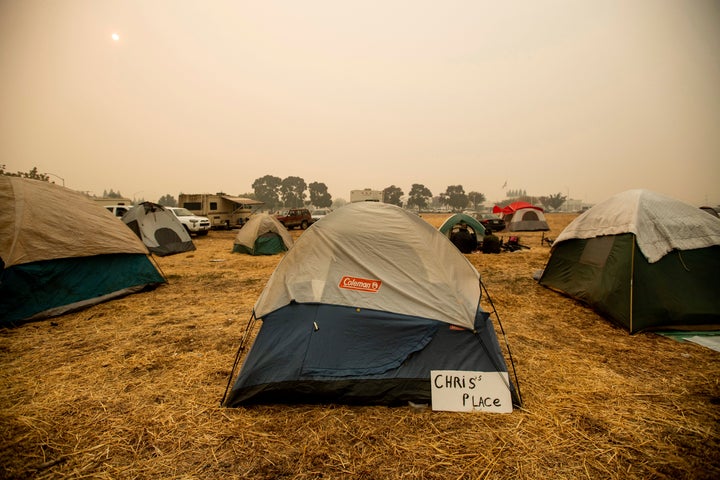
{"x": 115, "y": 37}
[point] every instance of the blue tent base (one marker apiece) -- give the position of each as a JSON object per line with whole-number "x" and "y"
{"x": 312, "y": 353}
{"x": 390, "y": 392}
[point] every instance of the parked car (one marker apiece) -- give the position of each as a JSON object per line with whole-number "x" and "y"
{"x": 319, "y": 213}
{"x": 295, "y": 217}
{"x": 118, "y": 210}
{"x": 491, "y": 221}
{"x": 192, "y": 223}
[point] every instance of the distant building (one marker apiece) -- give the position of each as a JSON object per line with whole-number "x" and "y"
{"x": 366, "y": 195}
{"x": 572, "y": 205}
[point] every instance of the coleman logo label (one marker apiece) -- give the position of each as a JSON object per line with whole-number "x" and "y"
{"x": 362, "y": 284}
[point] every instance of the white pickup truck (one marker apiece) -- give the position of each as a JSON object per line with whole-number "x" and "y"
{"x": 192, "y": 223}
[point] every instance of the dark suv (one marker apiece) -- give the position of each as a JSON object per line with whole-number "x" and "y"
{"x": 492, "y": 221}
{"x": 295, "y": 217}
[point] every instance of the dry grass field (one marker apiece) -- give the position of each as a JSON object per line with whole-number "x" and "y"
{"x": 130, "y": 389}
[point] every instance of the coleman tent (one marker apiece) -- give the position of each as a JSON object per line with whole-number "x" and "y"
{"x": 262, "y": 234}
{"x": 60, "y": 251}
{"x": 160, "y": 230}
{"x": 366, "y": 304}
{"x": 451, "y": 229}
{"x": 523, "y": 217}
{"x": 643, "y": 260}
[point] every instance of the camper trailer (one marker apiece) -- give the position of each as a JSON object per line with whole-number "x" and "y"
{"x": 366, "y": 195}
{"x": 224, "y": 211}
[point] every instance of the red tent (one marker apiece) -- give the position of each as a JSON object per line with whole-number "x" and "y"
{"x": 514, "y": 207}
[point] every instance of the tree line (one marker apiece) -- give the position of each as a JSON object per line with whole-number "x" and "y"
{"x": 294, "y": 192}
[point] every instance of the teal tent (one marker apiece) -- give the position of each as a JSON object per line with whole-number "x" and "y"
{"x": 643, "y": 260}
{"x": 61, "y": 251}
{"x": 465, "y": 240}
{"x": 454, "y": 220}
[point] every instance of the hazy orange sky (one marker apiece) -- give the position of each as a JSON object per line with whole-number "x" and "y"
{"x": 589, "y": 98}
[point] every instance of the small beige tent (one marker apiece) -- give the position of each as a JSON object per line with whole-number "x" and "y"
{"x": 262, "y": 234}
{"x": 60, "y": 251}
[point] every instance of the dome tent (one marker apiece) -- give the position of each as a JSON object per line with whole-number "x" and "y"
{"x": 262, "y": 234}
{"x": 523, "y": 217}
{"x": 61, "y": 251}
{"x": 643, "y": 260}
{"x": 160, "y": 230}
{"x": 448, "y": 227}
{"x": 361, "y": 309}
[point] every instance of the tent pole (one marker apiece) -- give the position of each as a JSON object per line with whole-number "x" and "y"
{"x": 240, "y": 349}
{"x": 507, "y": 345}
{"x": 632, "y": 277}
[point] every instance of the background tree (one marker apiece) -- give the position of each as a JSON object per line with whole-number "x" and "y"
{"x": 476, "y": 198}
{"x": 338, "y": 202}
{"x": 267, "y": 190}
{"x": 419, "y": 196}
{"x": 292, "y": 192}
{"x": 319, "y": 195}
{"x": 167, "y": 201}
{"x": 112, "y": 194}
{"x": 455, "y": 197}
{"x": 553, "y": 202}
{"x": 392, "y": 195}
{"x": 33, "y": 174}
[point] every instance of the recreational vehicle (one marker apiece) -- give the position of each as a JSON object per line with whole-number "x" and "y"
{"x": 224, "y": 211}
{"x": 366, "y": 195}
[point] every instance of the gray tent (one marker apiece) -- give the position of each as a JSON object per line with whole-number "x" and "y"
{"x": 367, "y": 303}
{"x": 159, "y": 229}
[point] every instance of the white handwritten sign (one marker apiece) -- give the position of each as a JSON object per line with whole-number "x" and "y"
{"x": 462, "y": 391}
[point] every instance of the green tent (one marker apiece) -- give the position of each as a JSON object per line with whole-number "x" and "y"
{"x": 460, "y": 238}
{"x": 61, "y": 251}
{"x": 447, "y": 226}
{"x": 643, "y": 260}
{"x": 262, "y": 234}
